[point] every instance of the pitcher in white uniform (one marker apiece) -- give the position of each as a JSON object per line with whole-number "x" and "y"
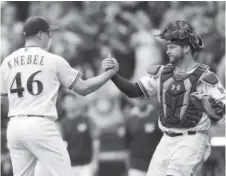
{"x": 30, "y": 78}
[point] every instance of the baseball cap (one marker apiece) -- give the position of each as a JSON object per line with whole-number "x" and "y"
{"x": 35, "y": 24}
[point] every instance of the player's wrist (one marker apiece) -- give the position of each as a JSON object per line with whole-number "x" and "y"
{"x": 111, "y": 72}
{"x": 114, "y": 77}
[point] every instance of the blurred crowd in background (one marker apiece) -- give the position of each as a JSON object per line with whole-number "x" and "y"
{"x": 89, "y": 32}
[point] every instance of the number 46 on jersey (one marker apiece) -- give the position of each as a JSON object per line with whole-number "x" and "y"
{"x": 19, "y": 88}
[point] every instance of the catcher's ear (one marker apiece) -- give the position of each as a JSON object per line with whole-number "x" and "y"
{"x": 186, "y": 49}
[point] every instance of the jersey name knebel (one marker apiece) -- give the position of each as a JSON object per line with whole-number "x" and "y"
{"x": 26, "y": 60}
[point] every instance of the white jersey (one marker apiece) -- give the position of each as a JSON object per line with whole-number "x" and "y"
{"x": 150, "y": 85}
{"x": 31, "y": 77}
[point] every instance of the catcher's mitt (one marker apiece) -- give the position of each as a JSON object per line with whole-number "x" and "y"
{"x": 214, "y": 108}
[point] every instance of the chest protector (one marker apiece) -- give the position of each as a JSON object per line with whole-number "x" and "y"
{"x": 177, "y": 110}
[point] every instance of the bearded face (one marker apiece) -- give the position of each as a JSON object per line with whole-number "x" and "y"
{"x": 175, "y": 53}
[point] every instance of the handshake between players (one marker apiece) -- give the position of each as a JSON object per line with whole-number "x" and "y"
{"x": 111, "y": 64}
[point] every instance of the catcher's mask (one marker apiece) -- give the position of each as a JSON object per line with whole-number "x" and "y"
{"x": 182, "y": 33}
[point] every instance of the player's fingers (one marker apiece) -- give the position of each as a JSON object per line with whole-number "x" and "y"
{"x": 115, "y": 61}
{"x": 108, "y": 62}
{"x": 108, "y": 65}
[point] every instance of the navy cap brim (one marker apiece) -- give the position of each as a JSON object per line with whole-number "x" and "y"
{"x": 53, "y": 28}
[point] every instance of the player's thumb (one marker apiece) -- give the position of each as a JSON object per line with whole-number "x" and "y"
{"x": 109, "y": 55}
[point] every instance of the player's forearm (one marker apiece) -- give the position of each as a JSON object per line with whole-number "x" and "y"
{"x": 95, "y": 83}
{"x": 132, "y": 90}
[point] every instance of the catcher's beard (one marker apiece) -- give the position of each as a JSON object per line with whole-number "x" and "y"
{"x": 176, "y": 60}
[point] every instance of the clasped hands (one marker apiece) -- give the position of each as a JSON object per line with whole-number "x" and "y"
{"x": 110, "y": 64}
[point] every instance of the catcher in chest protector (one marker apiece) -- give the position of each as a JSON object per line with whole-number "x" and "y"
{"x": 190, "y": 95}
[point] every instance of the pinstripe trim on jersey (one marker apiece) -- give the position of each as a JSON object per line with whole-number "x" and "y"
{"x": 75, "y": 81}
{"x": 4, "y": 95}
{"x": 140, "y": 84}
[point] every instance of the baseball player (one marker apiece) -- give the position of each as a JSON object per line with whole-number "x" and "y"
{"x": 30, "y": 78}
{"x": 141, "y": 130}
{"x": 80, "y": 134}
{"x": 190, "y": 96}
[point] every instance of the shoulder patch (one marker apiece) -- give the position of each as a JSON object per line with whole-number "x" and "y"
{"x": 154, "y": 70}
{"x": 210, "y": 78}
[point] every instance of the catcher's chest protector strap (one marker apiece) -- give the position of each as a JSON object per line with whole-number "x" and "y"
{"x": 175, "y": 96}
{"x": 167, "y": 72}
{"x": 196, "y": 75}
{"x": 155, "y": 70}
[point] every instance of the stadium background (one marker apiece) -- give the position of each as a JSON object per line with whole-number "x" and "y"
{"x": 91, "y": 30}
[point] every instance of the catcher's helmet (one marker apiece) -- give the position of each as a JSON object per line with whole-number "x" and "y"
{"x": 182, "y": 33}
